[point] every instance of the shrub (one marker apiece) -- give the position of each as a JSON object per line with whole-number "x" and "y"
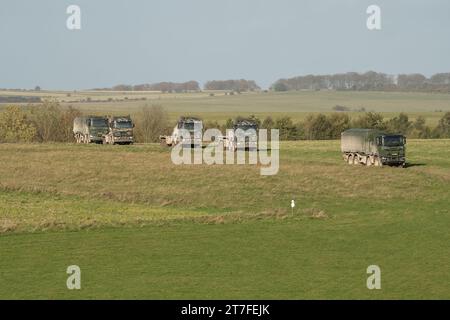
{"x": 15, "y": 126}
{"x": 338, "y": 124}
{"x": 370, "y": 120}
{"x": 443, "y": 128}
{"x": 400, "y": 124}
{"x": 317, "y": 127}
{"x": 53, "y": 123}
{"x": 288, "y": 130}
{"x": 151, "y": 122}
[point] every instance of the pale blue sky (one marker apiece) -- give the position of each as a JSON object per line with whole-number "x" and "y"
{"x": 145, "y": 41}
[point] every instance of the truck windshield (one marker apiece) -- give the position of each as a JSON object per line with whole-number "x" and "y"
{"x": 123, "y": 125}
{"x": 393, "y": 141}
{"x": 247, "y": 127}
{"x": 192, "y": 125}
{"x": 99, "y": 123}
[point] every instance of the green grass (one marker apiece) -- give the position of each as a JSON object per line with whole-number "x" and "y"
{"x": 141, "y": 227}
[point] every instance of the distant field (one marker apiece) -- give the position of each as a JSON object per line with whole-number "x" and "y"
{"x": 220, "y": 106}
{"x": 141, "y": 227}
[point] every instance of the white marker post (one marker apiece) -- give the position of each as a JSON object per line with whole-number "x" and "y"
{"x": 292, "y": 206}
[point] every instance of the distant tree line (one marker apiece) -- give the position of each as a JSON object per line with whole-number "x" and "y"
{"x": 19, "y": 99}
{"x": 369, "y": 81}
{"x": 160, "y": 86}
{"x": 350, "y": 81}
{"x": 241, "y": 85}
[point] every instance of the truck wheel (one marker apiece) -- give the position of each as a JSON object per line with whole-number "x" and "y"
{"x": 350, "y": 159}
{"x": 378, "y": 162}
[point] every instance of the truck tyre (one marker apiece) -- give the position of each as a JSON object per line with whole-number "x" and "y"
{"x": 378, "y": 162}
{"x": 350, "y": 159}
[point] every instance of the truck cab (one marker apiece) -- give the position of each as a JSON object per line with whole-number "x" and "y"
{"x": 192, "y": 125}
{"x": 195, "y": 128}
{"x": 391, "y": 149}
{"x": 120, "y": 131}
{"x": 244, "y": 135}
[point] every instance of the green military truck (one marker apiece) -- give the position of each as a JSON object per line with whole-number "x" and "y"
{"x": 90, "y": 129}
{"x": 373, "y": 147}
{"x": 120, "y": 130}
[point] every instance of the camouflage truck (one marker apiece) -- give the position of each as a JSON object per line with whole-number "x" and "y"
{"x": 373, "y": 147}
{"x": 243, "y": 135}
{"x": 193, "y": 125}
{"x": 120, "y": 131}
{"x": 90, "y": 129}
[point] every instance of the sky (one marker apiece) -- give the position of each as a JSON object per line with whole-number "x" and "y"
{"x": 148, "y": 41}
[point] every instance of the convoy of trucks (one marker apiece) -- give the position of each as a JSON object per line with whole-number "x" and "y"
{"x": 106, "y": 130}
{"x": 370, "y": 147}
{"x": 373, "y": 147}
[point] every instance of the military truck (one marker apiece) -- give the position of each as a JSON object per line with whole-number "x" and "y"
{"x": 193, "y": 125}
{"x": 120, "y": 131}
{"x": 243, "y": 135}
{"x": 90, "y": 129}
{"x": 373, "y": 147}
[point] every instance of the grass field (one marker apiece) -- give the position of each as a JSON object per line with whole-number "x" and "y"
{"x": 220, "y": 106}
{"x": 141, "y": 227}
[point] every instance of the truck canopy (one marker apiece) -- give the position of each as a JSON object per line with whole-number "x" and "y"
{"x": 82, "y": 124}
{"x": 359, "y": 140}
